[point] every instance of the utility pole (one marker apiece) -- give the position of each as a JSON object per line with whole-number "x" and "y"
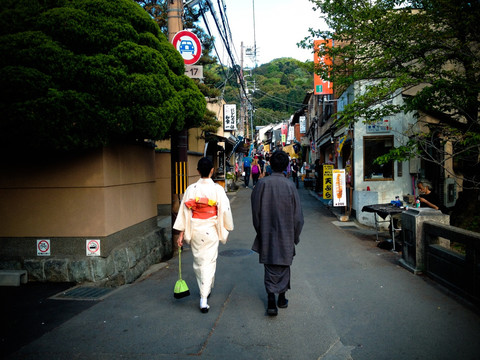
{"x": 255, "y": 63}
{"x": 179, "y": 140}
{"x": 241, "y": 125}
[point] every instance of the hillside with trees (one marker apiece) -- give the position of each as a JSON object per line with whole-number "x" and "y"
{"x": 275, "y": 89}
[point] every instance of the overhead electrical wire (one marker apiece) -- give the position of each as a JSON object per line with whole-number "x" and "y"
{"x": 202, "y": 13}
{"x": 273, "y": 119}
{"x": 225, "y": 34}
{"x": 226, "y": 25}
{"x": 225, "y": 39}
{"x": 280, "y": 100}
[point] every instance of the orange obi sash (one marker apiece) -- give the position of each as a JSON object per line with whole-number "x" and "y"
{"x": 202, "y": 208}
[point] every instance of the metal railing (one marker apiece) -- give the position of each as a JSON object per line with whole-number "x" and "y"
{"x": 457, "y": 270}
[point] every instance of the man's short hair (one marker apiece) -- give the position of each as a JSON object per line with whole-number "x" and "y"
{"x": 426, "y": 184}
{"x": 204, "y": 166}
{"x": 279, "y": 161}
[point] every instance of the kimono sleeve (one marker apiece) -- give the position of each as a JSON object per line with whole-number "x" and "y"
{"x": 180, "y": 220}
{"x": 227, "y": 212}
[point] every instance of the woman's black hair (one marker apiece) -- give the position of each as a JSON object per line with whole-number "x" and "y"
{"x": 204, "y": 167}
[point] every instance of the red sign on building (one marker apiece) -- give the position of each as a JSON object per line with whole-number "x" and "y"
{"x": 322, "y": 87}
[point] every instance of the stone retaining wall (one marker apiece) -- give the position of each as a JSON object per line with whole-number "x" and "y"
{"x": 122, "y": 265}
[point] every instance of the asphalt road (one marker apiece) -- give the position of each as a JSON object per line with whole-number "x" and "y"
{"x": 349, "y": 300}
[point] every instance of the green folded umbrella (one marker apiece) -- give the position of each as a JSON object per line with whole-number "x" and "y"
{"x": 181, "y": 288}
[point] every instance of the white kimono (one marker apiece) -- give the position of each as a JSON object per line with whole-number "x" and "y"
{"x": 204, "y": 235}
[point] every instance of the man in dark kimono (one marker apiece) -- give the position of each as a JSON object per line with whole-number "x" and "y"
{"x": 278, "y": 220}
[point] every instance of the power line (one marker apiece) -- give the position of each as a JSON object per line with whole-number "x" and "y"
{"x": 280, "y": 100}
{"x": 226, "y": 43}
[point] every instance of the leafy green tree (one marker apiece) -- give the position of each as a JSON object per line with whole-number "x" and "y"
{"x": 427, "y": 48}
{"x": 78, "y": 74}
{"x": 191, "y": 18}
{"x": 158, "y": 9}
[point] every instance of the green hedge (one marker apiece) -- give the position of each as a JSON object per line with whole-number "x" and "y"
{"x": 81, "y": 74}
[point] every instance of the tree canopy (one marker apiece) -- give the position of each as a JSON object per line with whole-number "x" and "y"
{"x": 192, "y": 15}
{"x": 429, "y": 50}
{"x": 78, "y": 74}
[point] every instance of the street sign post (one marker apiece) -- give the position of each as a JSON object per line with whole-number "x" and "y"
{"x": 188, "y": 45}
{"x": 194, "y": 71}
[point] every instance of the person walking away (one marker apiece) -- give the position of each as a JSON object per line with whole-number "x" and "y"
{"x": 256, "y": 171}
{"x": 247, "y": 161}
{"x": 204, "y": 219}
{"x": 268, "y": 169}
{"x": 261, "y": 162}
{"x": 277, "y": 230}
{"x": 294, "y": 169}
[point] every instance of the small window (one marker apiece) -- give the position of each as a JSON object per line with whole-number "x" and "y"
{"x": 373, "y": 147}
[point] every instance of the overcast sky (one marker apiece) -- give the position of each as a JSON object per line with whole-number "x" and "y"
{"x": 279, "y": 26}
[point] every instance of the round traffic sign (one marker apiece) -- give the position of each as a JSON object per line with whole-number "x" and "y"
{"x": 188, "y": 45}
{"x": 43, "y": 246}
{"x": 93, "y": 246}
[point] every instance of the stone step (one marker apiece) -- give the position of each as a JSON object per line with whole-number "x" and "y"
{"x": 13, "y": 277}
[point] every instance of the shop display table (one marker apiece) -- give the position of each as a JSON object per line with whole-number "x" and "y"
{"x": 384, "y": 210}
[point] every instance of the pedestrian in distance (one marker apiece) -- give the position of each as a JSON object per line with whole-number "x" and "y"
{"x": 294, "y": 170}
{"x": 256, "y": 171}
{"x": 268, "y": 169}
{"x": 261, "y": 162}
{"x": 277, "y": 230}
{"x": 204, "y": 219}
{"x": 247, "y": 162}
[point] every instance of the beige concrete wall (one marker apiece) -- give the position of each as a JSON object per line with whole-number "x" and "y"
{"x": 193, "y": 175}
{"x": 196, "y": 148}
{"x": 94, "y": 194}
{"x": 163, "y": 185}
{"x": 195, "y": 141}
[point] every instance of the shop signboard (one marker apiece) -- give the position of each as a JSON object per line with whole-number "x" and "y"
{"x": 327, "y": 181}
{"x": 303, "y": 124}
{"x": 230, "y": 117}
{"x": 379, "y": 126}
{"x": 339, "y": 192}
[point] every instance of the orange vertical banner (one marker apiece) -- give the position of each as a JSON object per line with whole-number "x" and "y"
{"x": 322, "y": 87}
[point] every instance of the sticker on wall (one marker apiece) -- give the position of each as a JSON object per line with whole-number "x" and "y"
{"x": 93, "y": 247}
{"x": 43, "y": 247}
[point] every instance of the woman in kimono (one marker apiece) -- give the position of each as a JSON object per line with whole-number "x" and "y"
{"x": 204, "y": 219}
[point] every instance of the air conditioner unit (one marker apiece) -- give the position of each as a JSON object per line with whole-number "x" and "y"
{"x": 414, "y": 165}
